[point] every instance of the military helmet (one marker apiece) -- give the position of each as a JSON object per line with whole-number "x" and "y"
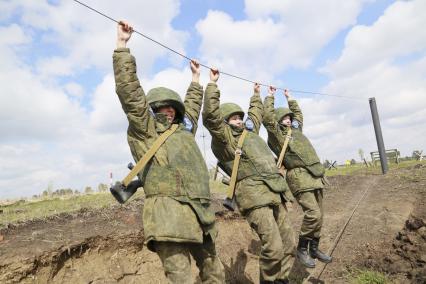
{"x": 161, "y": 97}
{"x": 281, "y": 112}
{"x": 229, "y": 109}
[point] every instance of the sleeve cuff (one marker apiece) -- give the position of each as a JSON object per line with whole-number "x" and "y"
{"x": 196, "y": 85}
{"x": 122, "y": 49}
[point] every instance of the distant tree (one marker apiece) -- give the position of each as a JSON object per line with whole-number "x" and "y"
{"x": 49, "y": 188}
{"x": 353, "y": 162}
{"x": 361, "y": 154}
{"x": 417, "y": 155}
{"x": 88, "y": 190}
{"x": 102, "y": 187}
{"x": 76, "y": 192}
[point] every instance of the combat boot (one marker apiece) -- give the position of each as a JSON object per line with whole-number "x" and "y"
{"x": 315, "y": 252}
{"x": 302, "y": 253}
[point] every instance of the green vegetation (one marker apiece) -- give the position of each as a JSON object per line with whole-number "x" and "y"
{"x": 39, "y": 208}
{"x": 45, "y": 206}
{"x": 362, "y": 169}
{"x": 368, "y": 277}
{"x": 51, "y": 204}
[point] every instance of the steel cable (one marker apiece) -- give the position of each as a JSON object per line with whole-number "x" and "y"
{"x": 208, "y": 67}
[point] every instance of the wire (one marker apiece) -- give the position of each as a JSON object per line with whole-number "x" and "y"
{"x": 206, "y": 66}
{"x": 337, "y": 239}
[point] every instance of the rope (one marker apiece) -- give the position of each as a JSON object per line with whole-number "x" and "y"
{"x": 206, "y": 66}
{"x": 339, "y": 236}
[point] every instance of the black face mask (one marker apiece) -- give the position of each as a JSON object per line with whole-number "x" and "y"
{"x": 162, "y": 118}
{"x": 236, "y": 128}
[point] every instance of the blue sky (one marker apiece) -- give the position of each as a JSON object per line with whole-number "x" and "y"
{"x": 61, "y": 116}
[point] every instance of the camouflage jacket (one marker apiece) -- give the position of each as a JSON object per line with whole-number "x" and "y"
{"x": 304, "y": 170}
{"x": 258, "y": 182}
{"x": 176, "y": 180}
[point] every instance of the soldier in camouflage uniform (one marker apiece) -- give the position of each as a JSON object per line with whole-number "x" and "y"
{"x": 178, "y": 221}
{"x": 305, "y": 173}
{"x": 260, "y": 188}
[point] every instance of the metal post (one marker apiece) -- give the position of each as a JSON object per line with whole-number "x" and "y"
{"x": 379, "y": 137}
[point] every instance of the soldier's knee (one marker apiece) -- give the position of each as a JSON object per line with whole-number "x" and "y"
{"x": 272, "y": 250}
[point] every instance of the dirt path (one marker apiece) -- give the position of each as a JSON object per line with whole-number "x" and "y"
{"x": 106, "y": 246}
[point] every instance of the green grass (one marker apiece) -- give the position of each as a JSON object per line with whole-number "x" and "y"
{"x": 30, "y": 209}
{"x": 362, "y": 169}
{"x": 33, "y": 209}
{"x": 368, "y": 277}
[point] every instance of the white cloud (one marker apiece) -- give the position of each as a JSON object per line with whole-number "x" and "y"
{"x": 74, "y": 89}
{"x": 289, "y": 32}
{"x": 87, "y": 38}
{"x": 72, "y": 136}
{"x": 370, "y": 66}
{"x": 398, "y": 32}
{"x": 62, "y": 133}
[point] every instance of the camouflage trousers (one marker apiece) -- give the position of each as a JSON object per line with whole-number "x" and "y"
{"x": 176, "y": 261}
{"x": 311, "y": 203}
{"x": 273, "y": 227}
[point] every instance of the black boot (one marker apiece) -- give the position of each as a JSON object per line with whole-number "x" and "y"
{"x": 281, "y": 281}
{"x": 302, "y": 253}
{"x": 315, "y": 252}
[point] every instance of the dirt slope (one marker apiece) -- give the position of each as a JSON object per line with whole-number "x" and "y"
{"x": 387, "y": 233}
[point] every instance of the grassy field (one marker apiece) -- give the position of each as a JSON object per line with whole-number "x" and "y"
{"x": 362, "y": 169}
{"x": 39, "y": 208}
{"x": 33, "y": 209}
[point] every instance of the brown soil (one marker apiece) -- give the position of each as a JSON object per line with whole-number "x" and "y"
{"x": 387, "y": 233}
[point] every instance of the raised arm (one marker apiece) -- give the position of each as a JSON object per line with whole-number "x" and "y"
{"x": 269, "y": 121}
{"x": 194, "y": 96}
{"x": 294, "y": 107}
{"x": 255, "y": 112}
{"x": 212, "y": 119}
{"x": 127, "y": 86}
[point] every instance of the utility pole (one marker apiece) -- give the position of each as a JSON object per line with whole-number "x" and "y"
{"x": 379, "y": 137}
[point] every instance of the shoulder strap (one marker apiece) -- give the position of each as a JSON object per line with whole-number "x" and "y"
{"x": 281, "y": 157}
{"x": 149, "y": 154}
{"x": 234, "y": 174}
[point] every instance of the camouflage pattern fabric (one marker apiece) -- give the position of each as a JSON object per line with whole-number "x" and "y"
{"x": 259, "y": 182}
{"x": 273, "y": 227}
{"x": 260, "y": 187}
{"x": 176, "y": 261}
{"x": 176, "y": 181}
{"x": 301, "y": 180}
{"x": 305, "y": 174}
{"x": 311, "y": 203}
{"x": 300, "y": 153}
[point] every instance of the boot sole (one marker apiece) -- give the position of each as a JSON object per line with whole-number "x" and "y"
{"x": 322, "y": 260}
{"x": 305, "y": 264}
{"x": 325, "y": 261}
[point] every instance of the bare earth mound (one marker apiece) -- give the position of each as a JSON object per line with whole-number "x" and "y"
{"x": 387, "y": 234}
